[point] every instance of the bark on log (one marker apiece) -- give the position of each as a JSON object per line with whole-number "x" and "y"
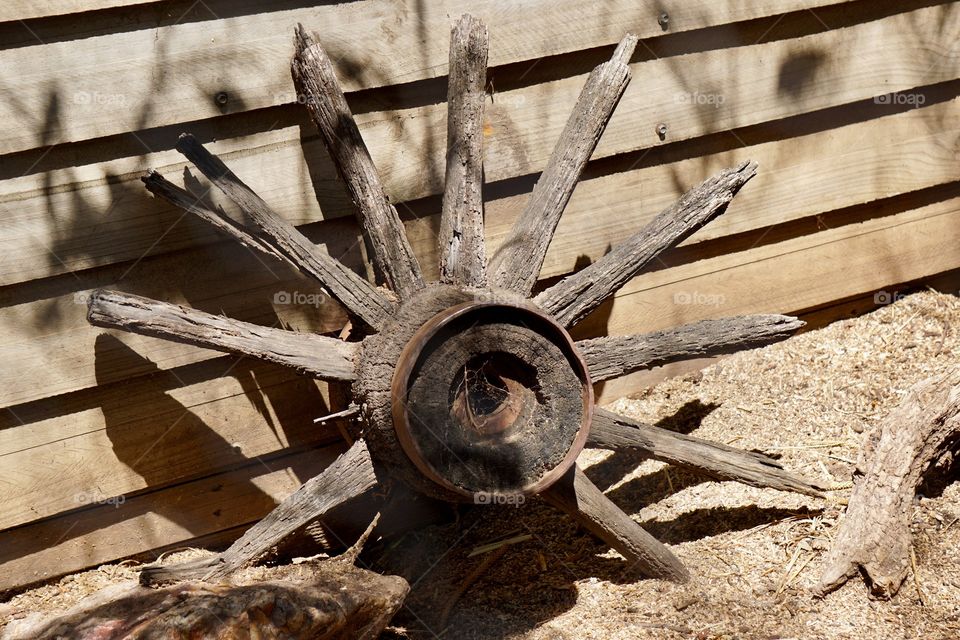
{"x": 516, "y": 264}
{"x": 612, "y": 356}
{"x": 314, "y": 600}
{"x": 612, "y": 431}
{"x": 577, "y": 496}
{"x": 353, "y": 291}
{"x": 348, "y": 477}
{"x": 463, "y": 258}
{"x": 571, "y": 299}
{"x": 874, "y": 536}
{"x": 316, "y": 81}
{"x": 308, "y": 353}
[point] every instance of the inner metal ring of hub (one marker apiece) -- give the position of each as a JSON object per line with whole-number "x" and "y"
{"x": 491, "y": 398}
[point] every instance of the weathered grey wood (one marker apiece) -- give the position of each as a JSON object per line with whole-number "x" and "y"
{"x": 571, "y": 299}
{"x": 356, "y": 294}
{"x": 463, "y": 258}
{"x": 191, "y": 203}
{"x": 321, "y": 599}
{"x": 349, "y": 476}
{"x": 611, "y": 431}
{"x": 874, "y": 536}
{"x": 317, "y": 83}
{"x": 516, "y": 264}
{"x": 309, "y": 353}
{"x": 576, "y": 495}
{"x": 612, "y": 356}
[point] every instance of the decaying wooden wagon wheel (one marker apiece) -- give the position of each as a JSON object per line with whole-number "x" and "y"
{"x": 470, "y": 388}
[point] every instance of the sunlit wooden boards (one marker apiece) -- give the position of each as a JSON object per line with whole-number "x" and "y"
{"x": 94, "y": 214}
{"x": 98, "y": 86}
{"x": 225, "y": 503}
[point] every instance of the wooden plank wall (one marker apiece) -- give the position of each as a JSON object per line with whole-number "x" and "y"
{"x": 115, "y": 445}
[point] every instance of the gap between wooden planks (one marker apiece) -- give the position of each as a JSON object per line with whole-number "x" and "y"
{"x": 151, "y": 77}
{"x": 94, "y": 214}
{"x": 798, "y": 178}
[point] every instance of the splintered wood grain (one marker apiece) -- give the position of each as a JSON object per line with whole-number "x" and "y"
{"x": 875, "y": 536}
{"x": 49, "y": 328}
{"x": 348, "y": 477}
{"x": 571, "y": 299}
{"x": 149, "y": 77}
{"x": 516, "y": 265}
{"x": 317, "y": 83}
{"x": 577, "y": 496}
{"x": 307, "y": 353}
{"x": 714, "y": 460}
{"x": 612, "y": 356}
{"x": 353, "y": 291}
{"x": 874, "y": 159}
{"x": 463, "y": 256}
{"x": 89, "y": 215}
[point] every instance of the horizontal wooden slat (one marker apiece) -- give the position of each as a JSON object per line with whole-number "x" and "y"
{"x": 31, "y": 9}
{"x": 798, "y": 177}
{"x": 84, "y": 216}
{"x": 125, "y": 438}
{"x": 120, "y": 82}
{"x": 162, "y": 519}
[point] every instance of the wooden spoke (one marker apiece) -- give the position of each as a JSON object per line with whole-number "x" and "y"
{"x": 571, "y": 299}
{"x": 353, "y": 291}
{"x": 612, "y": 356}
{"x": 184, "y": 199}
{"x": 576, "y": 495}
{"x": 516, "y": 265}
{"x": 463, "y": 258}
{"x": 316, "y": 355}
{"x": 612, "y": 431}
{"x": 348, "y": 477}
{"x": 316, "y": 81}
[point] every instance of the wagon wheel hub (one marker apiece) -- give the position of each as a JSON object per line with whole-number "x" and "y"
{"x": 491, "y": 399}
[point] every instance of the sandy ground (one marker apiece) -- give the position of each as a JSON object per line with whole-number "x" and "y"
{"x": 754, "y": 553}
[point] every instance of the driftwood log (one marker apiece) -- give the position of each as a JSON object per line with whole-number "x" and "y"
{"x": 468, "y": 389}
{"x": 874, "y": 537}
{"x": 314, "y": 600}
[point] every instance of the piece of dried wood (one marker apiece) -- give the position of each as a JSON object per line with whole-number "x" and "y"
{"x": 315, "y": 600}
{"x": 874, "y": 537}
{"x": 516, "y": 264}
{"x": 612, "y": 356}
{"x": 317, "y": 83}
{"x": 571, "y": 299}
{"x": 611, "y": 431}
{"x": 349, "y": 476}
{"x": 354, "y": 292}
{"x": 308, "y": 353}
{"x": 191, "y": 203}
{"x": 463, "y": 258}
{"x": 577, "y": 496}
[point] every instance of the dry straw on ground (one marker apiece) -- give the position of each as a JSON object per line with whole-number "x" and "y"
{"x": 755, "y": 553}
